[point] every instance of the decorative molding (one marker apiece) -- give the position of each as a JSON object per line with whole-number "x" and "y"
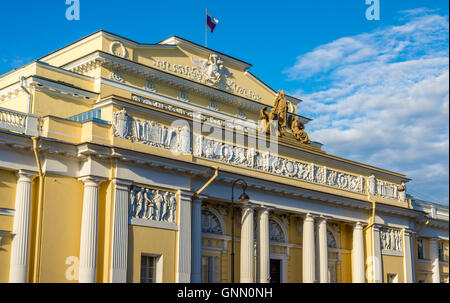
{"x": 146, "y": 72}
{"x": 213, "y": 106}
{"x": 7, "y": 212}
{"x": 241, "y": 114}
{"x": 182, "y": 96}
{"x": 48, "y": 86}
{"x": 155, "y": 224}
{"x": 112, "y": 49}
{"x": 194, "y": 112}
{"x": 116, "y": 76}
{"x": 149, "y": 86}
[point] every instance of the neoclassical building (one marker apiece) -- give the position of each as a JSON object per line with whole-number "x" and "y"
{"x": 118, "y": 161}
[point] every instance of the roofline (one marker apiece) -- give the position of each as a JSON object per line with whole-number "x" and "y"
{"x": 248, "y": 65}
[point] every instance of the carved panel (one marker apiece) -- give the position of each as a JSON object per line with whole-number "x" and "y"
{"x": 121, "y": 124}
{"x": 391, "y": 239}
{"x": 152, "y": 133}
{"x": 264, "y": 161}
{"x": 152, "y": 204}
{"x": 386, "y": 189}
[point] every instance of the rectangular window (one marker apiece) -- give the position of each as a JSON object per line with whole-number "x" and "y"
{"x": 210, "y": 269}
{"x": 148, "y": 269}
{"x": 420, "y": 249}
{"x": 392, "y": 278}
{"x": 442, "y": 256}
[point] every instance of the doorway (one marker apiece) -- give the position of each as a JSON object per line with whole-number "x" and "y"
{"x": 275, "y": 271}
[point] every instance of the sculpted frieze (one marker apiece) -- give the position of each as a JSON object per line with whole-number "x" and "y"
{"x": 152, "y": 133}
{"x": 391, "y": 239}
{"x": 152, "y": 204}
{"x": 265, "y": 161}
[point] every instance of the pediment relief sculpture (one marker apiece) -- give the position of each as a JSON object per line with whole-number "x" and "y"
{"x": 213, "y": 70}
{"x": 279, "y": 122}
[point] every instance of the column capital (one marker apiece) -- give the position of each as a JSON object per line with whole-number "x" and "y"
{"x": 408, "y": 232}
{"x": 26, "y": 175}
{"x": 358, "y": 225}
{"x": 309, "y": 217}
{"x": 185, "y": 194}
{"x": 261, "y": 208}
{"x": 376, "y": 227}
{"x": 248, "y": 205}
{"x": 91, "y": 180}
{"x": 122, "y": 183}
{"x": 322, "y": 218}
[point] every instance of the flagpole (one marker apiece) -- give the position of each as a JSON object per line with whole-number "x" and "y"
{"x": 206, "y": 29}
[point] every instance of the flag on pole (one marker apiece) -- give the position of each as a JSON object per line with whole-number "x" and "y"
{"x": 211, "y": 21}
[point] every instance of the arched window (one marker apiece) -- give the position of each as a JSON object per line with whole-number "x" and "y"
{"x": 276, "y": 232}
{"x": 210, "y": 222}
{"x": 331, "y": 240}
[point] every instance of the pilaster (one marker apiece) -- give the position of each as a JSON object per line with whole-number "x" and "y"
{"x": 118, "y": 272}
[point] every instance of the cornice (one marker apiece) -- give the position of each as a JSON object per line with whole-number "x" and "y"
{"x": 143, "y": 71}
{"x": 227, "y": 177}
{"x": 48, "y": 86}
{"x": 174, "y": 40}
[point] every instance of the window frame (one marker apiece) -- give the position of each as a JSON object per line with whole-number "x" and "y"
{"x": 158, "y": 267}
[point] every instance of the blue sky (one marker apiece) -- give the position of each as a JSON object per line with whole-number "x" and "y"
{"x": 377, "y": 90}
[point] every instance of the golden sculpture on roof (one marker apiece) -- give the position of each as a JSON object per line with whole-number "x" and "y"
{"x": 277, "y": 120}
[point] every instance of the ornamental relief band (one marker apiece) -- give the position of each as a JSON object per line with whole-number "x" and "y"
{"x": 209, "y": 71}
{"x": 152, "y": 133}
{"x": 191, "y": 114}
{"x": 391, "y": 239}
{"x": 152, "y": 204}
{"x": 265, "y": 161}
{"x": 179, "y": 140}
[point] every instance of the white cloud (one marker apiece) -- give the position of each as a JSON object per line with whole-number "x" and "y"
{"x": 384, "y": 99}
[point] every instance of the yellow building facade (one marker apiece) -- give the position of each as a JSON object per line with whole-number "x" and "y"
{"x": 118, "y": 160}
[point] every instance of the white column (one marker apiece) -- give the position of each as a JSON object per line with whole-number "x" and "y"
{"x": 308, "y": 248}
{"x": 434, "y": 256}
{"x": 21, "y": 229}
{"x": 247, "y": 247}
{"x": 196, "y": 276}
{"x": 183, "y": 274}
{"x": 358, "y": 254}
{"x": 118, "y": 273}
{"x": 89, "y": 227}
{"x": 408, "y": 252}
{"x": 323, "y": 250}
{"x": 376, "y": 255}
{"x": 262, "y": 246}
